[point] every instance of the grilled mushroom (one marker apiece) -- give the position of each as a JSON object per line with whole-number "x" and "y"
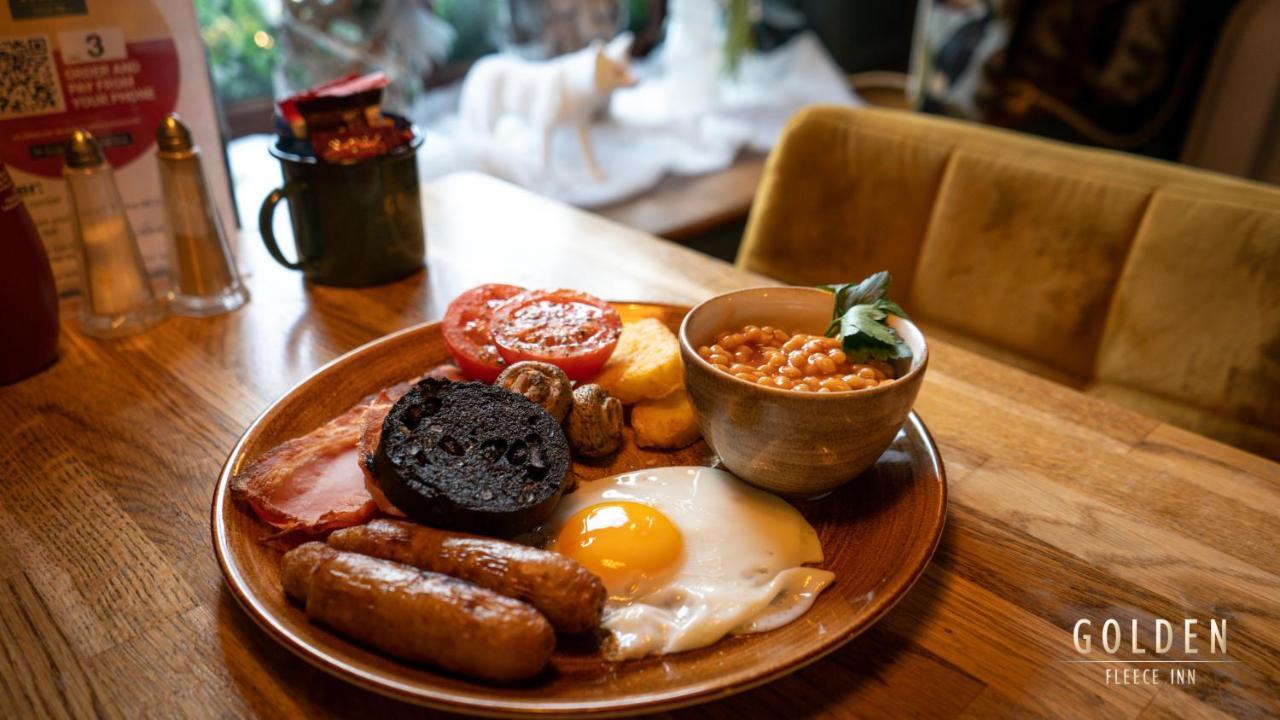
{"x": 595, "y": 422}
{"x": 543, "y": 383}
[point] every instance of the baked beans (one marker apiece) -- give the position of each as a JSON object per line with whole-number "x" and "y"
{"x": 803, "y": 363}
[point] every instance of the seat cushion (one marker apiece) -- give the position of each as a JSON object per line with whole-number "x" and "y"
{"x": 1025, "y": 256}
{"x": 838, "y": 198}
{"x": 1196, "y": 315}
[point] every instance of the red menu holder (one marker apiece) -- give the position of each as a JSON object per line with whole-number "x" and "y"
{"x": 28, "y": 298}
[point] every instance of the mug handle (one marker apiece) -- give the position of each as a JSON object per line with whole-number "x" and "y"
{"x": 265, "y": 215}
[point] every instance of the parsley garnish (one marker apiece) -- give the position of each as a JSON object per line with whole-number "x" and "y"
{"x": 858, "y": 319}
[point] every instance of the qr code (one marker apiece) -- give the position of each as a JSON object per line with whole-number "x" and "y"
{"x": 28, "y": 84}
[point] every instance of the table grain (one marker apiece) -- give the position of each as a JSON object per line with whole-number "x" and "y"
{"x": 1063, "y": 507}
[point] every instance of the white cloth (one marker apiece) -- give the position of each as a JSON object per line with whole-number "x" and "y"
{"x": 644, "y": 138}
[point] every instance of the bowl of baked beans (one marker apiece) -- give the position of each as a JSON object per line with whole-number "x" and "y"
{"x": 774, "y": 357}
{"x": 784, "y": 406}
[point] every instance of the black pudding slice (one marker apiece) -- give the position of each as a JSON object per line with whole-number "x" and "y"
{"x": 473, "y": 457}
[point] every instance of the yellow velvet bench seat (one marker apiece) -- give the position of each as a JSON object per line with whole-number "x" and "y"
{"x": 1151, "y": 284}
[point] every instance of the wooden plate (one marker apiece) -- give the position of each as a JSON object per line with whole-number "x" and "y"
{"x": 877, "y": 532}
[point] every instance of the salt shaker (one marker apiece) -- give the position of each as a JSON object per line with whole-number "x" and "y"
{"x": 116, "y": 295}
{"x": 205, "y": 280}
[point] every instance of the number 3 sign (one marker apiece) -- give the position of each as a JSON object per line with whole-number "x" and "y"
{"x": 82, "y": 46}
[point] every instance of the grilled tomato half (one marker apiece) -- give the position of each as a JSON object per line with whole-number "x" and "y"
{"x": 466, "y": 330}
{"x": 566, "y": 328}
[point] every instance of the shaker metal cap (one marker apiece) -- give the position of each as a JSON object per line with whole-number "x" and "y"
{"x": 81, "y": 150}
{"x": 173, "y": 136}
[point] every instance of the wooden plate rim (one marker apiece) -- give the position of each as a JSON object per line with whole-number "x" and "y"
{"x": 905, "y": 577}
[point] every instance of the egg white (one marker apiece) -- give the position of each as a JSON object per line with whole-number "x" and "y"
{"x": 741, "y": 571}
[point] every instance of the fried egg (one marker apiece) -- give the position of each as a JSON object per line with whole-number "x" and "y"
{"x": 688, "y": 555}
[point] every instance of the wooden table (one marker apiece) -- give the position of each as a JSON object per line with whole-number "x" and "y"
{"x": 1063, "y": 507}
{"x": 681, "y": 207}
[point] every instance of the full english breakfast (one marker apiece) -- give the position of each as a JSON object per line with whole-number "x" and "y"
{"x": 441, "y": 520}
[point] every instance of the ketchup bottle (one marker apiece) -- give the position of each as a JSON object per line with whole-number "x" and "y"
{"x": 28, "y": 298}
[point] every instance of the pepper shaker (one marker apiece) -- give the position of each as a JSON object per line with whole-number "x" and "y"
{"x": 116, "y": 298}
{"x": 205, "y": 280}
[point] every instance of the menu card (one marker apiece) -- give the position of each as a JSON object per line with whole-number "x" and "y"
{"x": 115, "y": 69}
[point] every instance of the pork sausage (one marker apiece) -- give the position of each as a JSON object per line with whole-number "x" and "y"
{"x": 569, "y": 595}
{"x": 419, "y": 616}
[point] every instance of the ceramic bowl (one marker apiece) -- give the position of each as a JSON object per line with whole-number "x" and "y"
{"x": 794, "y": 444}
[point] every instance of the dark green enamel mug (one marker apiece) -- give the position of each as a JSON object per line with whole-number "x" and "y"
{"x": 354, "y": 224}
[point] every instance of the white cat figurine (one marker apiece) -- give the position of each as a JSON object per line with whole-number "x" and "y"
{"x": 565, "y": 90}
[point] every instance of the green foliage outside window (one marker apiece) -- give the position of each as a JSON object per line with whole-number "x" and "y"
{"x": 473, "y": 21}
{"x": 241, "y": 47}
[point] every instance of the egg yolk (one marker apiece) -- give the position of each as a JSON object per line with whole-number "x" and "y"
{"x": 625, "y": 543}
